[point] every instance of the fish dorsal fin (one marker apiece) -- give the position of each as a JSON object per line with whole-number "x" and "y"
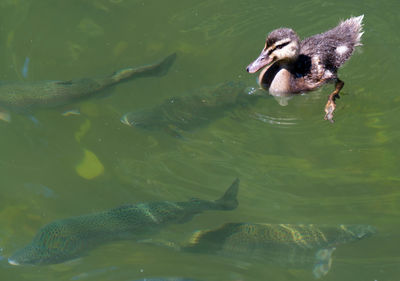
{"x": 196, "y": 237}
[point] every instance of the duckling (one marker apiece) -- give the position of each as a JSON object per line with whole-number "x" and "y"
{"x": 294, "y": 66}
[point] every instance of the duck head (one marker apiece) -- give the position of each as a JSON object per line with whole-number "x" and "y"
{"x": 281, "y": 45}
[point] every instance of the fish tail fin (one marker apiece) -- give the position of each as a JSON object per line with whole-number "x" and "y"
{"x": 229, "y": 201}
{"x": 323, "y": 262}
{"x": 156, "y": 69}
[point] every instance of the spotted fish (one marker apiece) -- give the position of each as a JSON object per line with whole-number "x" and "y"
{"x": 25, "y": 96}
{"x": 185, "y": 113}
{"x": 69, "y": 238}
{"x": 284, "y": 244}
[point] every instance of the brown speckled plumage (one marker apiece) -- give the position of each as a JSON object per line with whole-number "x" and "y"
{"x": 294, "y": 66}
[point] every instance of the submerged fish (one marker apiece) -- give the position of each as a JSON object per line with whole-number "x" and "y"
{"x": 188, "y": 112}
{"x": 66, "y": 239}
{"x": 23, "y": 96}
{"x": 284, "y": 244}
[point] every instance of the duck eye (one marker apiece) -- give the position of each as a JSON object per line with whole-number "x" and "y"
{"x": 282, "y": 45}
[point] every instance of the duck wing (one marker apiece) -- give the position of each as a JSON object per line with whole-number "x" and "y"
{"x": 336, "y": 45}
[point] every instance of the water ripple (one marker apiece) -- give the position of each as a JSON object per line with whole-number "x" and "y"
{"x": 275, "y": 120}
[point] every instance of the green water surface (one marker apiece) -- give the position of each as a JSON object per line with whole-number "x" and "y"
{"x": 294, "y": 167}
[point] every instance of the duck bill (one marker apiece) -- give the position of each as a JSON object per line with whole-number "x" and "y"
{"x": 259, "y": 63}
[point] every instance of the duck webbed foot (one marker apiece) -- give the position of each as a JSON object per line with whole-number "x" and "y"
{"x": 331, "y": 104}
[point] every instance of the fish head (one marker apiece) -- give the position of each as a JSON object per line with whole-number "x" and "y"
{"x": 52, "y": 244}
{"x": 41, "y": 254}
{"x": 33, "y": 255}
{"x": 361, "y": 231}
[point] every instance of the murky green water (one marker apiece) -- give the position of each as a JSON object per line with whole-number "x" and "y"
{"x": 294, "y": 167}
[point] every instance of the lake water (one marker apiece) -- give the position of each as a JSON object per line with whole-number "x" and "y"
{"x": 294, "y": 167}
